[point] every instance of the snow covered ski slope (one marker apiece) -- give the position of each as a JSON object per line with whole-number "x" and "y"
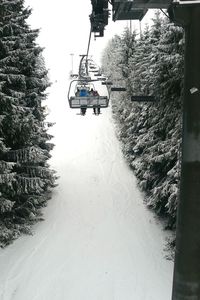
{"x": 98, "y": 241}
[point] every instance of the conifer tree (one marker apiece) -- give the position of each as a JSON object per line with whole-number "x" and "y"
{"x": 128, "y": 41}
{"x": 25, "y": 177}
{"x": 112, "y": 58}
{"x": 151, "y": 132}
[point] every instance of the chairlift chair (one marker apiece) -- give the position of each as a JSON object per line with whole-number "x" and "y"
{"x": 83, "y": 98}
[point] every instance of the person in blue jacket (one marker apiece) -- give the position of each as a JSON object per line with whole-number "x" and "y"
{"x": 83, "y": 93}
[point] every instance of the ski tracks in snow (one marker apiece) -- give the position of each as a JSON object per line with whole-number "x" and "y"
{"x": 98, "y": 241}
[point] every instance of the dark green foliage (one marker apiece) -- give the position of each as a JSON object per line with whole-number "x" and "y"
{"x": 25, "y": 177}
{"x": 151, "y": 132}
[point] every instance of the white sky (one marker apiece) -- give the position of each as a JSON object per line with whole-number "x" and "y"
{"x": 65, "y": 29}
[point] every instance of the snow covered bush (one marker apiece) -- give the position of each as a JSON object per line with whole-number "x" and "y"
{"x": 150, "y": 132}
{"x": 25, "y": 176}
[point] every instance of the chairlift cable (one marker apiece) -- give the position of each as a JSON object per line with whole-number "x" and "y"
{"x": 164, "y": 13}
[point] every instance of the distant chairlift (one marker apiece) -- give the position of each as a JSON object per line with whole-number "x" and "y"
{"x": 143, "y": 98}
{"x": 113, "y": 88}
{"x": 86, "y": 96}
{"x": 118, "y": 89}
{"x": 135, "y": 98}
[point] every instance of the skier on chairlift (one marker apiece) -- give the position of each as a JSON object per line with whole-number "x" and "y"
{"x": 96, "y": 109}
{"x": 83, "y": 93}
{"x": 95, "y": 93}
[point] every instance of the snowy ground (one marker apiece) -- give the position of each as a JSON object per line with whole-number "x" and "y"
{"x": 98, "y": 241}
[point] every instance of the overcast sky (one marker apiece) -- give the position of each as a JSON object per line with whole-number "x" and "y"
{"x": 65, "y": 29}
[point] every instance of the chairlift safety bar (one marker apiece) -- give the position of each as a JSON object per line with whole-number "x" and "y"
{"x": 89, "y": 102}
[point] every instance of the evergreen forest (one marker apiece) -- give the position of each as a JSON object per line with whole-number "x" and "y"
{"x": 25, "y": 176}
{"x": 150, "y": 133}
{"x": 150, "y": 64}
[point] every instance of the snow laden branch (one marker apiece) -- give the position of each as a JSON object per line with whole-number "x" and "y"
{"x": 25, "y": 177}
{"x": 150, "y": 132}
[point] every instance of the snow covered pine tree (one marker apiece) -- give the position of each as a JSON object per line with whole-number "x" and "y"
{"x": 151, "y": 132}
{"x": 25, "y": 176}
